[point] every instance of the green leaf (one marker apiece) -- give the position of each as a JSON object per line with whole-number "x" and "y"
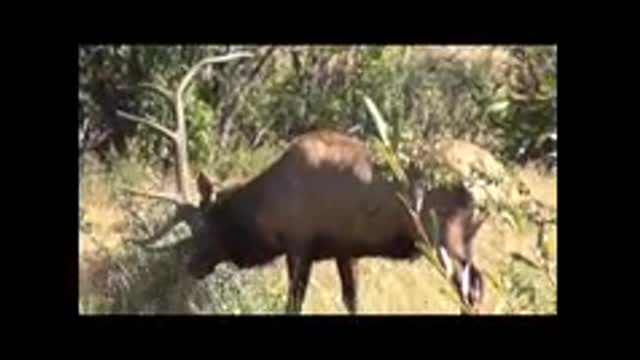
{"x": 549, "y": 81}
{"x": 392, "y": 161}
{"x": 381, "y": 125}
{"x": 550, "y": 249}
{"x": 395, "y": 142}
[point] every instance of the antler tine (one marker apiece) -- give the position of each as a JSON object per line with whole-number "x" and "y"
{"x": 179, "y": 216}
{"x": 168, "y": 226}
{"x": 173, "y": 198}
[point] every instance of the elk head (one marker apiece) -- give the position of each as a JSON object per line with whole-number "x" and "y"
{"x": 456, "y": 228}
{"x": 206, "y": 248}
{"x": 456, "y": 254}
{"x": 205, "y": 220}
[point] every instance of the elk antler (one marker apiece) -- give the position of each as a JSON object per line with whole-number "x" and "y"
{"x": 178, "y": 136}
{"x": 154, "y": 195}
{"x": 183, "y": 213}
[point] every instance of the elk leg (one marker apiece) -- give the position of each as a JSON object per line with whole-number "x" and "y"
{"x": 299, "y": 269}
{"x": 289, "y": 269}
{"x": 290, "y": 295}
{"x": 349, "y": 284}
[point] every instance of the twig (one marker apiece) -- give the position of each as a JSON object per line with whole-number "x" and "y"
{"x": 210, "y": 60}
{"x": 237, "y": 96}
{"x": 262, "y": 132}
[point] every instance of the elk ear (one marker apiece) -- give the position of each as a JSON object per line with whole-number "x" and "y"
{"x": 205, "y": 187}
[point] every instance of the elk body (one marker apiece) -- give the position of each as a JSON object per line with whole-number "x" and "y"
{"x": 321, "y": 200}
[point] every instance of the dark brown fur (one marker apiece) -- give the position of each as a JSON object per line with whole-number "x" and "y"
{"x": 319, "y": 201}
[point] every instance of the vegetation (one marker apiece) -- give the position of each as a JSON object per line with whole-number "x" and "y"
{"x": 448, "y": 109}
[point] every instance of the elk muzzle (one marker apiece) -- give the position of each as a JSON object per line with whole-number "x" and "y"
{"x": 471, "y": 285}
{"x": 199, "y": 269}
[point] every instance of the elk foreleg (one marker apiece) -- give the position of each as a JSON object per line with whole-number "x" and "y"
{"x": 349, "y": 284}
{"x": 299, "y": 269}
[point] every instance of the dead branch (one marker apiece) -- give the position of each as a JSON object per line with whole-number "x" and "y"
{"x": 206, "y": 61}
{"x": 237, "y": 96}
{"x": 262, "y": 132}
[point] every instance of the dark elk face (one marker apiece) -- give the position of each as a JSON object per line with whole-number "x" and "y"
{"x": 206, "y": 251}
{"x": 203, "y": 248}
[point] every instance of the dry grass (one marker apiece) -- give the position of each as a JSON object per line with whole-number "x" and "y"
{"x": 543, "y": 187}
{"x": 104, "y": 215}
{"x": 384, "y": 287}
{"x": 496, "y": 58}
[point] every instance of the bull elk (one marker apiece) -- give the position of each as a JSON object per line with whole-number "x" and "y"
{"x": 320, "y": 200}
